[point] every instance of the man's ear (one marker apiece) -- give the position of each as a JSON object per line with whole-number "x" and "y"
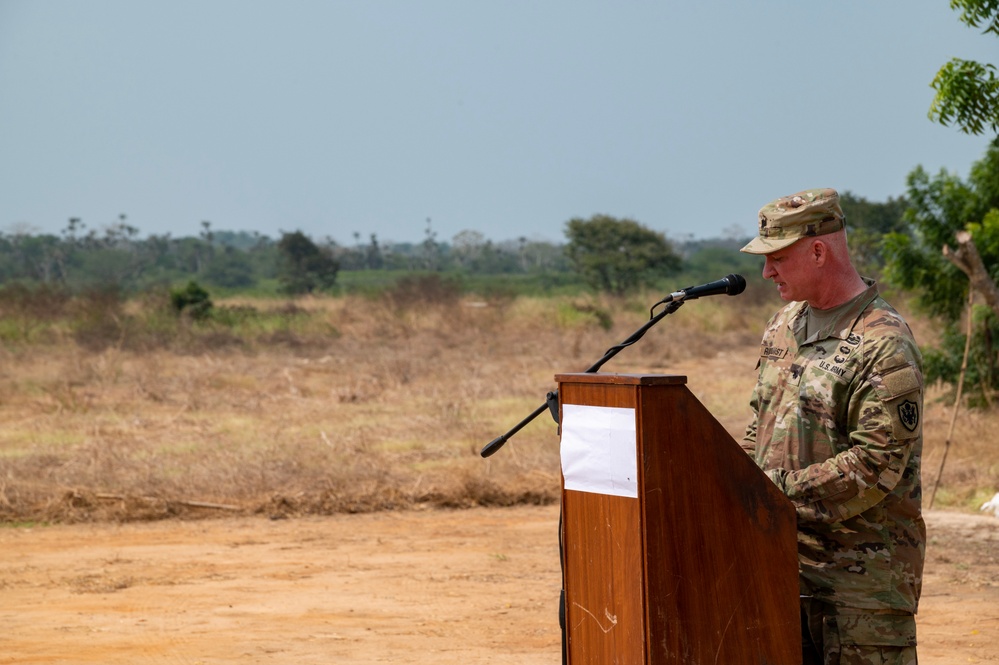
{"x": 818, "y": 252}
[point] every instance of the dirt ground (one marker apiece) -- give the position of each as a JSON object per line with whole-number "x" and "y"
{"x": 433, "y": 586}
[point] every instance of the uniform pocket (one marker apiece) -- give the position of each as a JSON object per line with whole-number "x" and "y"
{"x": 883, "y": 630}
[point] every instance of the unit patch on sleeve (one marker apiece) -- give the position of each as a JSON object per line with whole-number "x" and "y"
{"x": 908, "y": 413}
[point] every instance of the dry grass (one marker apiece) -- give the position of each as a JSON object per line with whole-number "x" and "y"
{"x": 365, "y": 405}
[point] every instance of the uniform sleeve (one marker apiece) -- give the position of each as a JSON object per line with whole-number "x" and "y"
{"x": 885, "y": 414}
{"x": 748, "y": 442}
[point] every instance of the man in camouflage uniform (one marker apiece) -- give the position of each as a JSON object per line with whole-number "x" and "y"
{"x": 838, "y": 427}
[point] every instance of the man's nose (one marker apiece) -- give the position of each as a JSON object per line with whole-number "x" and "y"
{"x": 768, "y": 269}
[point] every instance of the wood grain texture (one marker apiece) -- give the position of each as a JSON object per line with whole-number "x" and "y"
{"x": 702, "y": 566}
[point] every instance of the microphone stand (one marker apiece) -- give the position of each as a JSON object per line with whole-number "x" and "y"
{"x": 551, "y": 399}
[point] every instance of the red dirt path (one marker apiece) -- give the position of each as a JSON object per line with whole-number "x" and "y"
{"x": 472, "y": 586}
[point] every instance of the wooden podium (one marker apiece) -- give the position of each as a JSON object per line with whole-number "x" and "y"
{"x": 693, "y": 558}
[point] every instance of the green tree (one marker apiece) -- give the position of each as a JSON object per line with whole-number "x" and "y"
{"x": 230, "y": 268}
{"x": 867, "y": 223}
{"x": 616, "y": 255}
{"x": 968, "y": 91}
{"x": 304, "y": 266}
{"x": 942, "y": 208}
{"x": 952, "y": 245}
{"x": 37, "y": 257}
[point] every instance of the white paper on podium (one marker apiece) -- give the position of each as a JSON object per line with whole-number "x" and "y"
{"x": 599, "y": 450}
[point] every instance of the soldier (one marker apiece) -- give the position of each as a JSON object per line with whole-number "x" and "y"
{"x": 838, "y": 406}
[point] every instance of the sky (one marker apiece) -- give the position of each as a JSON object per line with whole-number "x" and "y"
{"x": 508, "y": 118}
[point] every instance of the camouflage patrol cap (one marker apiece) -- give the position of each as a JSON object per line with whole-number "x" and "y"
{"x": 813, "y": 212}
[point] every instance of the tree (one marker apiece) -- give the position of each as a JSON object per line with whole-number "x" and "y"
{"x": 230, "y": 268}
{"x": 951, "y": 246}
{"x": 616, "y": 255}
{"x": 941, "y": 208}
{"x": 375, "y": 259}
{"x": 304, "y": 266}
{"x": 868, "y": 222}
{"x": 466, "y": 247}
{"x": 949, "y": 212}
{"x": 431, "y": 250}
{"x": 968, "y": 91}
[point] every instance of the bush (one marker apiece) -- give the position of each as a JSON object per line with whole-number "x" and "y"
{"x": 192, "y": 300}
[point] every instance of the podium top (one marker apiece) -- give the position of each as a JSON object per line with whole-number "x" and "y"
{"x": 623, "y": 379}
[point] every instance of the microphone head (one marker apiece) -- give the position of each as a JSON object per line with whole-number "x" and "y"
{"x": 736, "y": 284}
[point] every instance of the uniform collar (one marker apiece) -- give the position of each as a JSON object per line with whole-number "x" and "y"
{"x": 841, "y": 327}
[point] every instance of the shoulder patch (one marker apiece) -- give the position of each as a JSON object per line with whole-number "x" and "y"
{"x": 908, "y": 415}
{"x": 899, "y": 387}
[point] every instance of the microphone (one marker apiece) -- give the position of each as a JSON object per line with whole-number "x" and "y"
{"x": 731, "y": 285}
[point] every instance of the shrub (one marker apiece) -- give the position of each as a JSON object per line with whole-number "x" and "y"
{"x": 191, "y": 300}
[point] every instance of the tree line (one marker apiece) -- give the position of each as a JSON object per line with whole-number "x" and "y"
{"x": 115, "y": 256}
{"x": 606, "y": 253}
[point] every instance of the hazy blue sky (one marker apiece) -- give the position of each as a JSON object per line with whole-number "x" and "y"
{"x": 504, "y": 117}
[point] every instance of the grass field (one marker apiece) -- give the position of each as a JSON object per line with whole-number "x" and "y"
{"x": 358, "y": 403}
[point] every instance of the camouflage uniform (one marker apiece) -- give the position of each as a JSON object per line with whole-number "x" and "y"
{"x": 838, "y": 428}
